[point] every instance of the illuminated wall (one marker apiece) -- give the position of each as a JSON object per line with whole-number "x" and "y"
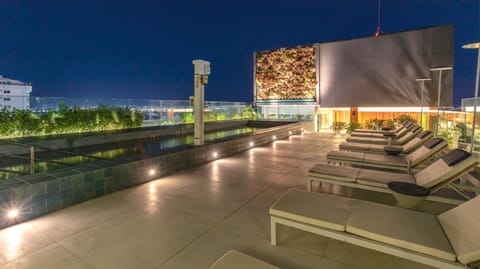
{"x": 381, "y": 71}
{"x": 286, "y": 75}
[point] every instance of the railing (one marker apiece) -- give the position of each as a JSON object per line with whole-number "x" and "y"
{"x": 32, "y": 159}
{"x": 157, "y": 112}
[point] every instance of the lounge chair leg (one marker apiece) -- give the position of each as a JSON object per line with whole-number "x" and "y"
{"x": 273, "y": 232}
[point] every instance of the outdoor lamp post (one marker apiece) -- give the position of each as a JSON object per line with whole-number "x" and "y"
{"x": 474, "y": 46}
{"x": 440, "y": 70}
{"x": 422, "y": 89}
{"x": 201, "y": 70}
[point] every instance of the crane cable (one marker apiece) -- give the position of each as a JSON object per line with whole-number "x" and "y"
{"x": 379, "y": 29}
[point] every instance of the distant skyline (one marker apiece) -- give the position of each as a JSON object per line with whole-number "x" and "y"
{"x": 144, "y": 49}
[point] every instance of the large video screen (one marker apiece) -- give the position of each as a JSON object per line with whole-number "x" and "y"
{"x": 286, "y": 75}
{"x": 382, "y": 71}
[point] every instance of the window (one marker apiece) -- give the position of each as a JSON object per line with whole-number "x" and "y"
{"x": 5, "y": 91}
{"x": 6, "y": 99}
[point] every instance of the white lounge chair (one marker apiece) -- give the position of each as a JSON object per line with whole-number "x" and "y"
{"x": 436, "y": 176}
{"x": 401, "y": 163}
{"x": 237, "y": 260}
{"x": 448, "y": 241}
{"x": 382, "y": 149}
{"x": 385, "y": 140}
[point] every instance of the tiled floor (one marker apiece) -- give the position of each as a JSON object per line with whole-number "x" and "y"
{"x": 189, "y": 219}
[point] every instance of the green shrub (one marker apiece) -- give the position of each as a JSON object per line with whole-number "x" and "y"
{"x": 338, "y": 126}
{"x": 65, "y": 119}
{"x": 352, "y": 126}
{"x": 378, "y": 123}
{"x": 248, "y": 113}
{"x": 402, "y": 118}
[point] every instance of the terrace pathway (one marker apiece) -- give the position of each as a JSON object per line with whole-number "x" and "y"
{"x": 189, "y": 219}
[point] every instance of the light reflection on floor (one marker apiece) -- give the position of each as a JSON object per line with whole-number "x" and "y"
{"x": 190, "y": 218}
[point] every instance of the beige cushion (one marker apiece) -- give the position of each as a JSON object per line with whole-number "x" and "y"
{"x": 366, "y": 140}
{"x": 335, "y": 155}
{"x": 381, "y": 178}
{"x": 379, "y": 141}
{"x": 312, "y": 208}
{"x": 403, "y": 132}
{"x": 397, "y": 161}
{"x": 366, "y": 131}
{"x": 378, "y": 149}
{"x": 409, "y": 136}
{"x": 371, "y": 135}
{"x": 412, "y": 144}
{"x": 348, "y": 174}
{"x": 423, "y": 153}
{"x": 462, "y": 226}
{"x": 413, "y": 230}
{"x": 439, "y": 173}
{"x": 381, "y": 148}
{"x": 354, "y": 146}
{"x": 236, "y": 260}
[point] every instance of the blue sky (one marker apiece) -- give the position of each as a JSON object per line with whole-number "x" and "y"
{"x": 144, "y": 49}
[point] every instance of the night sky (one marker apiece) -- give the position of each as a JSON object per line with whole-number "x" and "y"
{"x": 144, "y": 49}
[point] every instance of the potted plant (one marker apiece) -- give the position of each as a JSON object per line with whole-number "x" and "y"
{"x": 338, "y": 126}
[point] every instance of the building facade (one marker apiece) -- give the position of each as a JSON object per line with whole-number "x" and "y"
{"x": 350, "y": 80}
{"x": 14, "y": 94}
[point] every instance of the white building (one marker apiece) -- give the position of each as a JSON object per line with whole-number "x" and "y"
{"x": 14, "y": 94}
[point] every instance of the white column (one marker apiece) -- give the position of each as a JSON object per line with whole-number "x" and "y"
{"x": 422, "y": 90}
{"x": 201, "y": 70}
{"x": 198, "y": 111}
{"x": 440, "y": 69}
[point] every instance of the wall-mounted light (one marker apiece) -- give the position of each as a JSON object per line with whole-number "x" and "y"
{"x": 274, "y": 137}
{"x": 215, "y": 154}
{"x": 151, "y": 172}
{"x": 12, "y": 213}
{"x": 251, "y": 144}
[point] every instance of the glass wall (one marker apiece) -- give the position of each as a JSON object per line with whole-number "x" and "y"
{"x": 157, "y": 112}
{"x": 286, "y": 112}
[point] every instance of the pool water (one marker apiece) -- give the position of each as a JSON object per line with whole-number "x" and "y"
{"x": 11, "y": 167}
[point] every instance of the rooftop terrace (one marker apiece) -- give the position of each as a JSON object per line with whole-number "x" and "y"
{"x": 191, "y": 218}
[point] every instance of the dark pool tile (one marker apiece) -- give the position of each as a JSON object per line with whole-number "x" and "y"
{"x": 6, "y": 184}
{"x": 53, "y": 186}
{"x": 6, "y": 196}
{"x": 66, "y": 197}
{"x": 22, "y": 192}
{"x": 63, "y": 172}
{"x": 39, "y": 188}
{"x": 78, "y": 195}
{"x": 89, "y": 187}
{"x": 77, "y": 180}
{"x": 39, "y": 204}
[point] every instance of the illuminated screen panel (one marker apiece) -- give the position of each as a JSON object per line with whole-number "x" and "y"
{"x": 286, "y": 75}
{"x": 382, "y": 71}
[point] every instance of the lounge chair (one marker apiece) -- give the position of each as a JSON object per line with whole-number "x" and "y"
{"x": 413, "y": 144}
{"x": 434, "y": 177}
{"x": 384, "y": 140}
{"x": 448, "y": 241}
{"x": 382, "y": 130}
{"x": 237, "y": 260}
{"x": 379, "y": 133}
{"x": 401, "y": 163}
